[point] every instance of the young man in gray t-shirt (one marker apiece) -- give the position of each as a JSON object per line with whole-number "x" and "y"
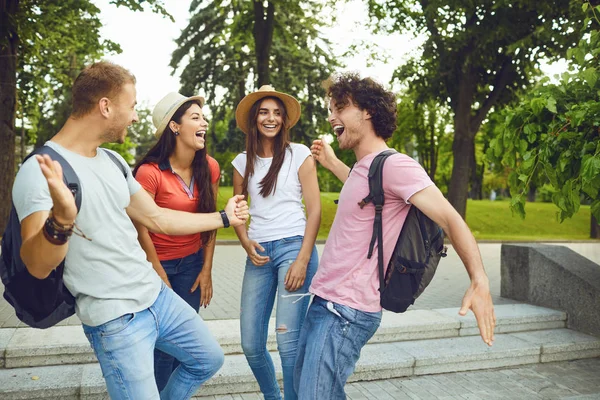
{"x": 125, "y": 308}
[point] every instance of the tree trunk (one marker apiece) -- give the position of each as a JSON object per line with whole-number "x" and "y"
{"x": 462, "y": 149}
{"x": 263, "y": 38}
{"x": 8, "y": 94}
{"x": 463, "y": 146}
{"x": 531, "y": 193}
{"x": 594, "y": 228}
{"x": 476, "y": 179}
{"x": 23, "y": 137}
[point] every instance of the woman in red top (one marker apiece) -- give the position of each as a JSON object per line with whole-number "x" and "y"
{"x": 179, "y": 175}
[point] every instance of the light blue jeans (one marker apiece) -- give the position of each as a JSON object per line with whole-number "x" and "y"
{"x": 125, "y": 349}
{"x": 329, "y": 347}
{"x": 259, "y": 288}
{"x": 182, "y": 273}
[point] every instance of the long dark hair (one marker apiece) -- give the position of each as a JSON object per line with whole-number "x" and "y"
{"x": 200, "y": 170}
{"x": 253, "y": 143}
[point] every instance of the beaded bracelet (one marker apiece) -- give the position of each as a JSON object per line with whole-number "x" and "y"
{"x": 56, "y": 233}
{"x": 59, "y": 234}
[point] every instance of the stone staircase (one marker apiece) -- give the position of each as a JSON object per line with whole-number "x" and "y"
{"x": 58, "y": 363}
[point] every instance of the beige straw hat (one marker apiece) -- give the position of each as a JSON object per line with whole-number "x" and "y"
{"x": 292, "y": 106}
{"x": 166, "y": 107}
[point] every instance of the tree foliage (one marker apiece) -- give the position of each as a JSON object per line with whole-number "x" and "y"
{"x": 142, "y": 133}
{"x": 422, "y": 130}
{"x": 555, "y": 131}
{"x": 475, "y": 56}
{"x": 51, "y": 55}
{"x": 232, "y": 47}
{"x": 43, "y": 45}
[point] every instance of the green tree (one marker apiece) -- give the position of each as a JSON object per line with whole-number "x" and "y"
{"x": 422, "y": 129}
{"x": 142, "y": 133}
{"x": 43, "y": 45}
{"x": 555, "y": 131}
{"x": 285, "y": 50}
{"x": 476, "y": 54}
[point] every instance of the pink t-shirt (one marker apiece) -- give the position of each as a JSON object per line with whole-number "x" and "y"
{"x": 345, "y": 274}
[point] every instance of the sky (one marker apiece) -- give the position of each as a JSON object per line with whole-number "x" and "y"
{"x": 147, "y": 41}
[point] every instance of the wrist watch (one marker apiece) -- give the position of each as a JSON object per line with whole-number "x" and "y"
{"x": 224, "y": 218}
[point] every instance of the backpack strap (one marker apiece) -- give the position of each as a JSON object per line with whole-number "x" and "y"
{"x": 117, "y": 162}
{"x": 376, "y": 196}
{"x": 69, "y": 176}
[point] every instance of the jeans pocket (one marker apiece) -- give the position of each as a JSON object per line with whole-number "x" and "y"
{"x": 116, "y": 325}
{"x": 346, "y": 313}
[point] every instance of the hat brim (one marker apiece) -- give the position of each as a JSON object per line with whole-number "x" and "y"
{"x": 172, "y": 110}
{"x": 292, "y": 108}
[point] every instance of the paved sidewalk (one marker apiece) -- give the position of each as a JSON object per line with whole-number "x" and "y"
{"x": 570, "y": 380}
{"x": 446, "y": 289}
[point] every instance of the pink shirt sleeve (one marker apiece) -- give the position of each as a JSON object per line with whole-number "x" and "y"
{"x": 148, "y": 175}
{"x": 408, "y": 177}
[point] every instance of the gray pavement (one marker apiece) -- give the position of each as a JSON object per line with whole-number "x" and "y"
{"x": 570, "y": 380}
{"x": 446, "y": 289}
{"x": 575, "y": 380}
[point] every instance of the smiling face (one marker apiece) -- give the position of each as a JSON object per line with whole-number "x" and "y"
{"x": 348, "y": 123}
{"x": 122, "y": 114}
{"x": 192, "y": 128}
{"x": 269, "y": 119}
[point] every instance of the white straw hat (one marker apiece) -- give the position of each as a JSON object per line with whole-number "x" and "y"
{"x": 166, "y": 107}
{"x": 292, "y": 107}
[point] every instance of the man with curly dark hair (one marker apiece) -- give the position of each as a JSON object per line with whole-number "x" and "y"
{"x": 346, "y": 311}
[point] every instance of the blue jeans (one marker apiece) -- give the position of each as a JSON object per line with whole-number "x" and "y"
{"x": 125, "y": 349}
{"x": 329, "y": 347}
{"x": 258, "y": 296}
{"x": 182, "y": 273}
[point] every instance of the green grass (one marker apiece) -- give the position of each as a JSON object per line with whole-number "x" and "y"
{"x": 493, "y": 220}
{"x": 488, "y": 220}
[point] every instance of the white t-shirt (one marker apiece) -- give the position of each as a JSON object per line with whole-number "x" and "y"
{"x": 281, "y": 214}
{"x": 109, "y": 275}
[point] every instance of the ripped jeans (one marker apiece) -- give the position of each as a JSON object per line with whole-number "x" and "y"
{"x": 259, "y": 288}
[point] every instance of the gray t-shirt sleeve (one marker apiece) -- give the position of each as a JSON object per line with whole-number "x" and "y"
{"x": 30, "y": 192}
{"x": 133, "y": 185}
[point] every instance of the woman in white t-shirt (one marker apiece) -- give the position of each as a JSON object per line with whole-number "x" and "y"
{"x": 282, "y": 258}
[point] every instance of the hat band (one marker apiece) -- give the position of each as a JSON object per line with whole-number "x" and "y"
{"x": 171, "y": 108}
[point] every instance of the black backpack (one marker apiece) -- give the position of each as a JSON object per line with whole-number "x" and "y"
{"x": 40, "y": 303}
{"x": 416, "y": 254}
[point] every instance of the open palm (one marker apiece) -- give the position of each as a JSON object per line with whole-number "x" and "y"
{"x": 64, "y": 209}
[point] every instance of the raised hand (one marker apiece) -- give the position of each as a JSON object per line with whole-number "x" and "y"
{"x": 237, "y": 210}
{"x": 323, "y": 153}
{"x": 64, "y": 209}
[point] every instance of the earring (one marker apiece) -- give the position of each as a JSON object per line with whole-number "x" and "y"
{"x": 176, "y": 133}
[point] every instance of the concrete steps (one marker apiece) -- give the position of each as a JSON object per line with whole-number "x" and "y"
{"x": 378, "y": 361}
{"x": 28, "y": 347}
{"x": 416, "y": 343}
